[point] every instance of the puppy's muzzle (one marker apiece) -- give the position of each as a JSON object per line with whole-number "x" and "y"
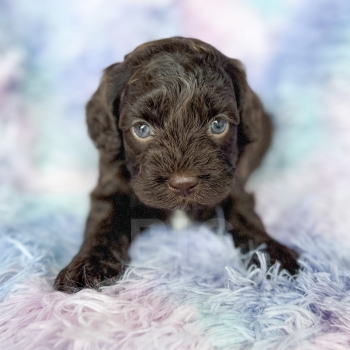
{"x": 183, "y": 185}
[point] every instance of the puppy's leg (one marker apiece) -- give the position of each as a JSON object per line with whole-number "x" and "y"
{"x": 107, "y": 233}
{"x": 104, "y": 250}
{"x": 248, "y": 228}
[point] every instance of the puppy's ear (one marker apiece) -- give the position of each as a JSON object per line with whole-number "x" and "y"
{"x": 249, "y": 106}
{"x": 255, "y": 128}
{"x": 102, "y": 111}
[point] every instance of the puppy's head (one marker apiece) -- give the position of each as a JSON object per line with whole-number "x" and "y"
{"x": 174, "y": 110}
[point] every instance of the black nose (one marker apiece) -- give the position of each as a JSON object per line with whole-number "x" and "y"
{"x": 183, "y": 184}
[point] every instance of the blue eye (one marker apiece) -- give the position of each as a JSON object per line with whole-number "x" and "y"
{"x": 218, "y": 126}
{"x": 142, "y": 130}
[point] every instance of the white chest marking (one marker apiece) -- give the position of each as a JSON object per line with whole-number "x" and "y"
{"x": 179, "y": 220}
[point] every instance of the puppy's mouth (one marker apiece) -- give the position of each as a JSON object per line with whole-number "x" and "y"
{"x": 182, "y": 192}
{"x": 187, "y": 204}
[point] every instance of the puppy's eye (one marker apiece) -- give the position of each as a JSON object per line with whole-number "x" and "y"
{"x": 142, "y": 130}
{"x": 218, "y": 126}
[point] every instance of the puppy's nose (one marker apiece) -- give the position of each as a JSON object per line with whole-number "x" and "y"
{"x": 183, "y": 184}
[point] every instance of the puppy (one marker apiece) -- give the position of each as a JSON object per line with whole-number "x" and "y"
{"x": 177, "y": 127}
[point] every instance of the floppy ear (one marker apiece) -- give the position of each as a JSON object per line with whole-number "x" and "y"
{"x": 255, "y": 128}
{"x": 102, "y": 111}
{"x": 249, "y": 106}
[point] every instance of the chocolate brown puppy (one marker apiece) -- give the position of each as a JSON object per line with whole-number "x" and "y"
{"x": 177, "y": 127}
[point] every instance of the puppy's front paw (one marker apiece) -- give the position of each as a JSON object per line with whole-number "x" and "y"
{"x": 88, "y": 272}
{"x": 286, "y": 256}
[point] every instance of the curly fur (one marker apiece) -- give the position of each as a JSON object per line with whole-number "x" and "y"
{"x": 178, "y": 86}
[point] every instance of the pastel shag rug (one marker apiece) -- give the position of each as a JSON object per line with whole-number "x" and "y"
{"x": 190, "y": 289}
{"x": 184, "y": 290}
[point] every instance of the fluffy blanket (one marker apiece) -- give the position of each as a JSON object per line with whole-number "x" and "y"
{"x": 190, "y": 289}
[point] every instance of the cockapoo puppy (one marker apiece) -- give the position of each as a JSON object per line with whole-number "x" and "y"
{"x": 177, "y": 128}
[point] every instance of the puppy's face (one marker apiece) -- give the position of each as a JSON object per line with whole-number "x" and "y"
{"x": 178, "y": 117}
